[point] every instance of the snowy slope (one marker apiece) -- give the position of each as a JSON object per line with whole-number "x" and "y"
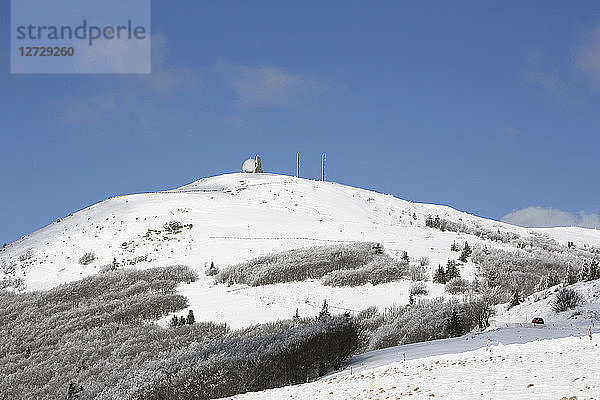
{"x": 544, "y": 369}
{"x": 235, "y": 217}
{"x": 539, "y": 304}
{"x": 517, "y": 333}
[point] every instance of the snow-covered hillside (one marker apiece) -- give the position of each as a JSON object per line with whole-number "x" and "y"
{"x": 544, "y": 369}
{"x": 236, "y": 217}
{"x": 539, "y": 304}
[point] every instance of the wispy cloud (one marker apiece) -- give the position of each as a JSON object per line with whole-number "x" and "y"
{"x": 509, "y": 131}
{"x": 145, "y": 100}
{"x": 588, "y": 55}
{"x": 258, "y": 85}
{"x": 577, "y": 70}
{"x": 541, "y": 72}
{"x": 542, "y": 217}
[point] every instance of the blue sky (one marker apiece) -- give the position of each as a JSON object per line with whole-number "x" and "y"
{"x": 489, "y": 108}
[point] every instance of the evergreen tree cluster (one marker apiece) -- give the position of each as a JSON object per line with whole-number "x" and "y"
{"x": 181, "y": 320}
{"x": 590, "y": 271}
{"x": 444, "y": 275}
{"x": 466, "y": 252}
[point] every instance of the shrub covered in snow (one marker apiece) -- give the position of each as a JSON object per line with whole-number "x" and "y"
{"x": 425, "y": 320}
{"x": 252, "y": 359}
{"x": 87, "y": 258}
{"x": 380, "y": 270}
{"x": 417, "y": 273}
{"x": 457, "y": 285}
{"x": 96, "y": 343}
{"x": 313, "y": 263}
{"x": 524, "y": 270}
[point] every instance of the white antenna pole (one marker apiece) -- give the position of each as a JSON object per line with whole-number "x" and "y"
{"x": 323, "y": 167}
{"x": 298, "y": 165}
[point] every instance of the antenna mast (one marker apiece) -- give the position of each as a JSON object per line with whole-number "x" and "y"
{"x": 323, "y": 167}
{"x": 298, "y": 165}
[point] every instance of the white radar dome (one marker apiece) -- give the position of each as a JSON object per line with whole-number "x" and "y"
{"x": 249, "y": 166}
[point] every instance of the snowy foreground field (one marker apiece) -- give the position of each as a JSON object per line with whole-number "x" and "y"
{"x": 546, "y": 369}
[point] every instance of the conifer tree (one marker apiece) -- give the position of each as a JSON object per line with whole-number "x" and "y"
{"x": 584, "y": 273}
{"x": 452, "y": 271}
{"x": 553, "y": 279}
{"x": 594, "y": 271}
{"x": 296, "y": 316}
{"x": 440, "y": 275}
{"x": 542, "y": 284}
{"x": 211, "y": 270}
{"x": 324, "y": 313}
{"x": 190, "y": 318}
{"x": 453, "y": 324}
{"x": 466, "y": 252}
{"x": 570, "y": 276}
{"x": 516, "y": 299}
{"x": 405, "y": 256}
{"x": 429, "y": 221}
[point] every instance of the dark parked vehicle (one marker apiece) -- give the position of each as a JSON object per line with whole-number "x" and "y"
{"x": 538, "y": 320}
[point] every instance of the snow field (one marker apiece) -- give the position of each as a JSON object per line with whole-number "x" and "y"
{"x": 546, "y": 369}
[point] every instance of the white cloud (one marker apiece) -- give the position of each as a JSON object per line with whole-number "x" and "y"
{"x": 542, "y": 217}
{"x": 268, "y": 85}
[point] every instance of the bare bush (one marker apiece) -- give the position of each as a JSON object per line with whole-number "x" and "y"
{"x": 566, "y": 299}
{"x": 28, "y": 255}
{"x": 423, "y": 261}
{"x": 419, "y": 289}
{"x": 417, "y": 273}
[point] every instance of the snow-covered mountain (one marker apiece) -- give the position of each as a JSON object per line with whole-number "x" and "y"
{"x": 235, "y": 217}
